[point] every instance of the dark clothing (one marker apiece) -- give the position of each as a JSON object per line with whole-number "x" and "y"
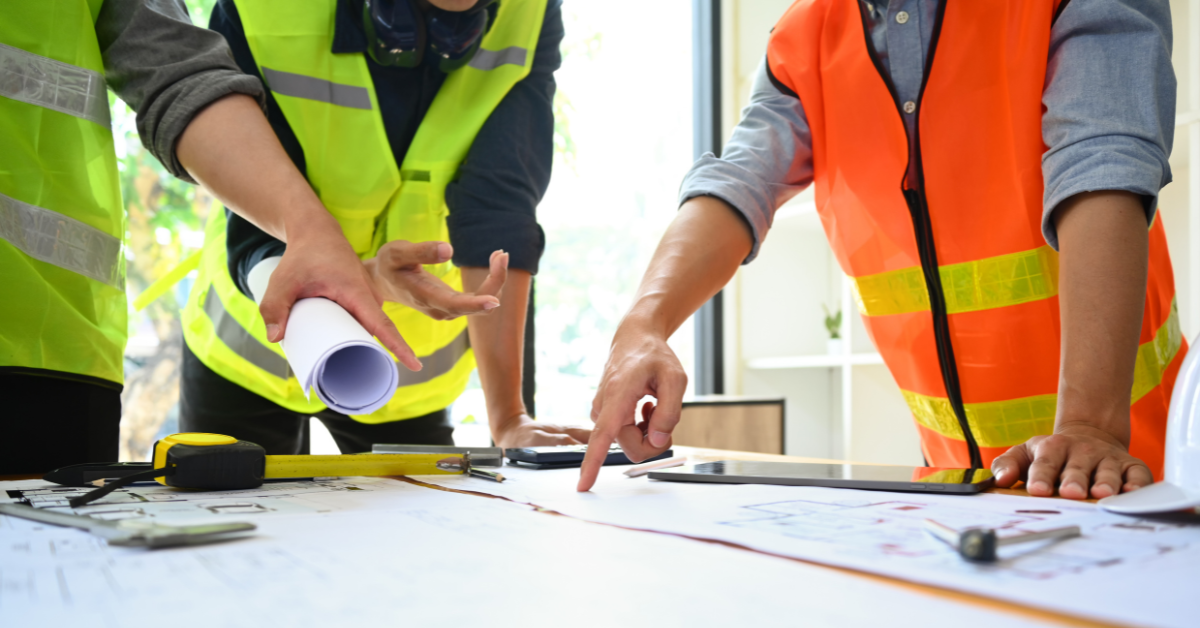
{"x": 211, "y": 403}
{"x": 51, "y": 422}
{"x": 494, "y": 200}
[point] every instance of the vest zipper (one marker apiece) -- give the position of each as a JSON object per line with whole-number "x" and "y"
{"x": 913, "y": 189}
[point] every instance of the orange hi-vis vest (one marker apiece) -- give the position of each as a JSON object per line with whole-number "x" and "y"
{"x": 956, "y": 284}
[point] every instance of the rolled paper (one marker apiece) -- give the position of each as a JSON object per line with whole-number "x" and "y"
{"x": 331, "y": 352}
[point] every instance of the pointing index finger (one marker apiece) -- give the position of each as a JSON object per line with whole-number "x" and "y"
{"x": 598, "y": 444}
{"x": 603, "y": 434}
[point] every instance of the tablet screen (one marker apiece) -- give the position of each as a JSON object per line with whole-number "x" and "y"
{"x": 843, "y": 475}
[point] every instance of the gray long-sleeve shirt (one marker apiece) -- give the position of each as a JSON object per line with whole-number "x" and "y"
{"x": 1108, "y": 124}
{"x": 167, "y": 69}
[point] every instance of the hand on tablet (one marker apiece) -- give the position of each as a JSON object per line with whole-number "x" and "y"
{"x": 639, "y": 364}
{"x": 523, "y": 431}
{"x": 399, "y": 275}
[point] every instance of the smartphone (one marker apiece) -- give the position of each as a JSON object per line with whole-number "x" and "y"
{"x": 567, "y": 456}
{"x": 862, "y": 476}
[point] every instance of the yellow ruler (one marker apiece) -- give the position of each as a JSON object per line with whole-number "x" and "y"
{"x": 358, "y": 464}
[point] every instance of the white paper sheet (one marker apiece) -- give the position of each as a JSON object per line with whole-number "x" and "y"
{"x": 417, "y": 556}
{"x": 331, "y": 352}
{"x": 1138, "y": 571}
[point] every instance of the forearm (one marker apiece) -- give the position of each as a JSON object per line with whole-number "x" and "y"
{"x": 230, "y": 149}
{"x": 696, "y": 257}
{"x": 166, "y": 69}
{"x": 498, "y": 339}
{"x": 1102, "y": 285}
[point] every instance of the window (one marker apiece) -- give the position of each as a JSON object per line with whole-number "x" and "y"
{"x": 165, "y": 224}
{"x": 623, "y": 143}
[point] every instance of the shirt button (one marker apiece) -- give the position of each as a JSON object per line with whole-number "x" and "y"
{"x": 902, "y": 17}
{"x": 910, "y": 107}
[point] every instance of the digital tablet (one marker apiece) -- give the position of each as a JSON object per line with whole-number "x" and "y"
{"x": 870, "y": 477}
{"x": 567, "y": 456}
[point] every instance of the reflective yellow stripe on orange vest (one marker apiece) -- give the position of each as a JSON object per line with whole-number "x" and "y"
{"x": 984, "y": 284}
{"x": 953, "y": 476}
{"x": 1154, "y": 356}
{"x": 970, "y": 286}
{"x": 994, "y": 424}
{"x": 1014, "y": 421}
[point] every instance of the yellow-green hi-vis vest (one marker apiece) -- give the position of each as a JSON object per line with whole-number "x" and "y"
{"x": 62, "y": 269}
{"x": 330, "y": 103}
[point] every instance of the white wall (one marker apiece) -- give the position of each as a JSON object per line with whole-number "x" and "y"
{"x": 1180, "y": 200}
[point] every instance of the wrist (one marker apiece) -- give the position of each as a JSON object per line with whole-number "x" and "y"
{"x": 502, "y": 424}
{"x": 643, "y": 320}
{"x": 505, "y": 416}
{"x": 1109, "y": 427}
{"x": 308, "y": 222}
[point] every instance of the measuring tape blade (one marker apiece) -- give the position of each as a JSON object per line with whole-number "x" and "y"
{"x": 356, "y": 464}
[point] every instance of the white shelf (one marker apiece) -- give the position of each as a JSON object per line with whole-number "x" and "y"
{"x": 814, "y": 361}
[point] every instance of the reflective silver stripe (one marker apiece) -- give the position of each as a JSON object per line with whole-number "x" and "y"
{"x": 437, "y": 363}
{"x": 62, "y": 241}
{"x": 491, "y": 59}
{"x": 302, "y": 86}
{"x": 55, "y": 85}
{"x": 231, "y": 332}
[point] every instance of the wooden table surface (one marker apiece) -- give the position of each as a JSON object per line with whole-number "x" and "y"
{"x": 710, "y": 455}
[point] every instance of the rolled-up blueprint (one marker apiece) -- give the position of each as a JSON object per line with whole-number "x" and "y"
{"x": 331, "y": 352}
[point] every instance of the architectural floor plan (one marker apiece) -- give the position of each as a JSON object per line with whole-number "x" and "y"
{"x": 1123, "y": 569}
{"x": 153, "y": 501}
{"x": 395, "y": 553}
{"x": 893, "y": 526}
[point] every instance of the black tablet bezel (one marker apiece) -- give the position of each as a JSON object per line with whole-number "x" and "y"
{"x": 688, "y": 474}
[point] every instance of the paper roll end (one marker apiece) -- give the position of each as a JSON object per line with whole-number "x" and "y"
{"x": 260, "y": 276}
{"x": 359, "y": 378}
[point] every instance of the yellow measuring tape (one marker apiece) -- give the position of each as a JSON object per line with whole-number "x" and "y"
{"x": 220, "y": 462}
{"x": 358, "y": 464}
{"x": 223, "y": 463}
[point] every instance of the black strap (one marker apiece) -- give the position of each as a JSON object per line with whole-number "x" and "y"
{"x": 93, "y": 495}
{"x": 88, "y": 472}
{"x": 779, "y": 85}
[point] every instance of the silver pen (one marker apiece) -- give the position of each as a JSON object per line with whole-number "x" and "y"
{"x": 980, "y": 544}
